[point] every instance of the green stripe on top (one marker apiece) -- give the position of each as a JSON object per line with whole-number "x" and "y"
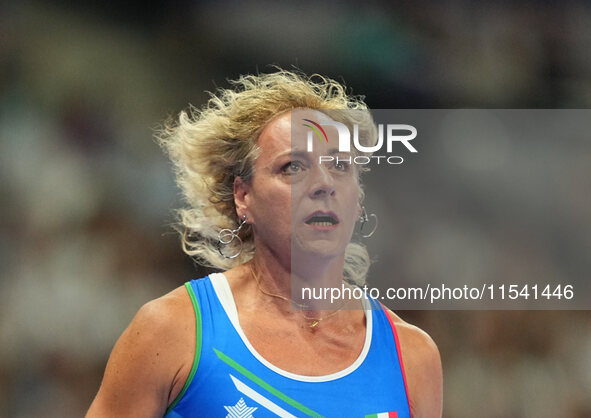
{"x": 197, "y": 346}
{"x": 315, "y": 130}
{"x": 372, "y": 416}
{"x": 265, "y": 385}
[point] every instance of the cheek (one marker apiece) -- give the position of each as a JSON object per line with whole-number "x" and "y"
{"x": 354, "y": 194}
{"x": 273, "y": 201}
{"x": 354, "y": 204}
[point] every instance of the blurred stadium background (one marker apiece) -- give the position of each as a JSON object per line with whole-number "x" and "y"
{"x": 87, "y": 195}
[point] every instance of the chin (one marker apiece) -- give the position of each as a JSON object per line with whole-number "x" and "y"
{"x": 319, "y": 249}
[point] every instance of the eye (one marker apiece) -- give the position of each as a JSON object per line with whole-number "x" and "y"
{"x": 341, "y": 165}
{"x": 292, "y": 167}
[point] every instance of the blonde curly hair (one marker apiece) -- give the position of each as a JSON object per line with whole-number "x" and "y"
{"x": 213, "y": 145}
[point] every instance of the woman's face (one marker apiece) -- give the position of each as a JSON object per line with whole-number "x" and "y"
{"x": 294, "y": 202}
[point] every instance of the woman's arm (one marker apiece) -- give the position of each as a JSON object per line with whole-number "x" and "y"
{"x": 422, "y": 366}
{"x": 150, "y": 362}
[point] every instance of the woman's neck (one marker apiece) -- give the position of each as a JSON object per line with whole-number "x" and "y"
{"x": 301, "y": 276}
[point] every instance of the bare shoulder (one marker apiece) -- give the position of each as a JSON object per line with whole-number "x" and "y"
{"x": 419, "y": 345}
{"x": 422, "y": 366}
{"x": 167, "y": 323}
{"x": 151, "y": 360}
{"x": 168, "y": 315}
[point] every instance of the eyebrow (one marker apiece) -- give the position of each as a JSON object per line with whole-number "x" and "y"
{"x": 295, "y": 153}
{"x": 298, "y": 152}
{"x": 331, "y": 151}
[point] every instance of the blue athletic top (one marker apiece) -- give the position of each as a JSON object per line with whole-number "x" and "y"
{"x": 230, "y": 379}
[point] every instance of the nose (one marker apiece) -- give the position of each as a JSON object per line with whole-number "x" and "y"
{"x": 322, "y": 185}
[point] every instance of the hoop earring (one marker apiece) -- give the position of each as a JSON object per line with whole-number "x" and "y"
{"x": 364, "y": 219}
{"x": 226, "y": 236}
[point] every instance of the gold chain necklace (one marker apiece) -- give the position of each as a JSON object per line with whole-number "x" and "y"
{"x": 313, "y": 321}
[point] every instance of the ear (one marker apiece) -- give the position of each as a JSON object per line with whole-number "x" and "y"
{"x": 241, "y": 195}
{"x": 359, "y": 210}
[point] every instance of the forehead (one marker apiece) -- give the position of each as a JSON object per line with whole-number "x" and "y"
{"x": 289, "y": 130}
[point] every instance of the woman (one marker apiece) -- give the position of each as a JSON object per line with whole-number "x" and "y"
{"x": 266, "y": 210}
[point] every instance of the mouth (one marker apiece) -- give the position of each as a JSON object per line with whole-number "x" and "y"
{"x": 320, "y": 218}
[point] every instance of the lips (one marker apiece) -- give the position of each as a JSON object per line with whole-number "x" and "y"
{"x": 320, "y": 218}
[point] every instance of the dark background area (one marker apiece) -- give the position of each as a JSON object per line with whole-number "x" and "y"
{"x": 87, "y": 196}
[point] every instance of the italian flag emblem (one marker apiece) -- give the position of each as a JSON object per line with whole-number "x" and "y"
{"x": 392, "y": 414}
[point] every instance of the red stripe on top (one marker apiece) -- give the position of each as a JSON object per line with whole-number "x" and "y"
{"x": 394, "y": 414}
{"x": 399, "y": 356}
{"x": 319, "y": 127}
